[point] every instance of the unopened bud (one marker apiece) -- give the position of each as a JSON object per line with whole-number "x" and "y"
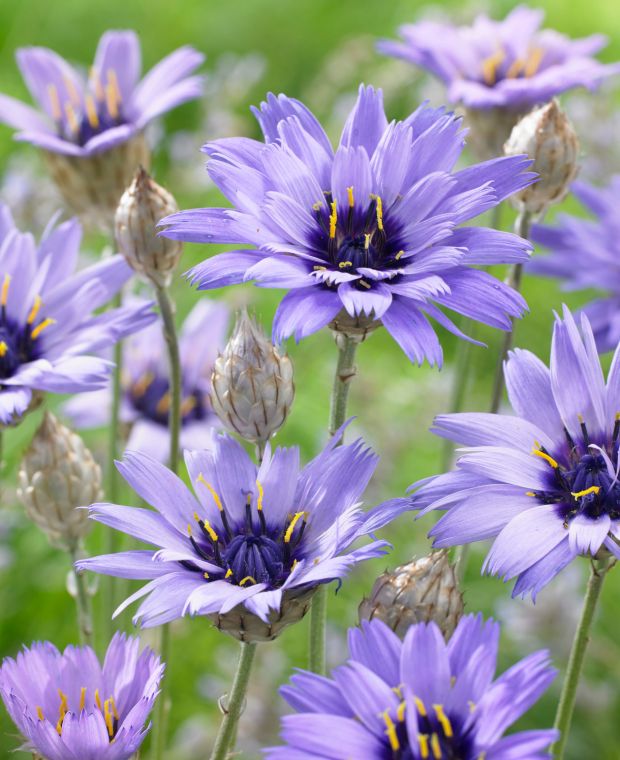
{"x": 92, "y": 185}
{"x": 421, "y": 591}
{"x": 548, "y": 137}
{"x": 57, "y": 475}
{"x": 252, "y": 383}
{"x": 142, "y": 205}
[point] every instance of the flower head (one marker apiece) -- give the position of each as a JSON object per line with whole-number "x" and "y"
{"x": 585, "y": 254}
{"x": 248, "y": 538}
{"x": 509, "y": 64}
{"x": 69, "y": 706}
{"x": 145, "y": 402}
{"x": 370, "y": 230}
{"x": 420, "y": 699}
{"x": 543, "y": 483}
{"x": 81, "y": 116}
{"x": 46, "y": 322}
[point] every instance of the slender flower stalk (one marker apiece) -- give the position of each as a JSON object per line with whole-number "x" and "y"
{"x": 566, "y": 705}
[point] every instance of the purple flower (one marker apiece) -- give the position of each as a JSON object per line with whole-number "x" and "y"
{"x": 371, "y": 229}
{"x": 507, "y": 64}
{"x": 543, "y": 483}
{"x": 146, "y": 400}
{"x": 417, "y": 699}
{"x": 248, "y": 536}
{"x": 80, "y": 117}
{"x": 586, "y": 254}
{"x": 69, "y": 707}
{"x": 46, "y": 315}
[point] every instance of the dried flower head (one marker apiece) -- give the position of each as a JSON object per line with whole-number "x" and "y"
{"x": 141, "y": 206}
{"x": 57, "y": 475}
{"x": 547, "y": 136}
{"x": 421, "y": 591}
{"x": 252, "y": 383}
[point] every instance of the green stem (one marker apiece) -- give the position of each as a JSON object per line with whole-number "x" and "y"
{"x": 166, "y": 309}
{"x": 345, "y": 372}
{"x": 235, "y": 703}
{"x": 566, "y": 705}
{"x": 82, "y": 601}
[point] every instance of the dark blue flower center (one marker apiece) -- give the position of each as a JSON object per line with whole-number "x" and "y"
{"x": 19, "y": 344}
{"x": 150, "y": 396}
{"x": 357, "y": 252}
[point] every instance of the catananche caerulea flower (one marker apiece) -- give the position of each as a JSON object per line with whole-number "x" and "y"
{"x": 80, "y": 116}
{"x": 247, "y": 536}
{"x": 47, "y": 325}
{"x": 509, "y": 64}
{"x": 543, "y": 483}
{"x": 371, "y": 229}
{"x": 69, "y": 707}
{"x": 420, "y": 699}
{"x": 145, "y": 402}
{"x": 585, "y": 253}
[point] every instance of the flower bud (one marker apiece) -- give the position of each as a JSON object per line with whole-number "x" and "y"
{"x": 142, "y": 205}
{"x": 57, "y": 475}
{"x": 252, "y": 383}
{"x": 423, "y": 590}
{"x": 92, "y": 185}
{"x": 548, "y": 137}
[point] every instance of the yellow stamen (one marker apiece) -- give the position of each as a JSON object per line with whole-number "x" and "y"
{"x": 319, "y": 269}
{"x": 62, "y": 710}
{"x": 211, "y": 490}
{"x": 247, "y": 579}
{"x": 72, "y": 118}
{"x": 546, "y": 457}
{"x": 515, "y": 68}
{"x": 399, "y": 255}
{"x": 471, "y": 705}
{"x": 364, "y": 284}
{"x": 189, "y": 529}
{"x": 188, "y": 404}
{"x": 592, "y": 489}
{"x": 420, "y": 706}
{"x": 141, "y": 385}
{"x": 5, "y": 289}
{"x": 367, "y": 236}
{"x": 112, "y": 95}
{"x": 423, "y": 742}
{"x": 379, "y": 203}
{"x": 108, "y": 718}
{"x": 444, "y": 720}
{"x": 3, "y": 348}
{"x": 490, "y": 66}
{"x": 533, "y": 62}
{"x": 294, "y": 565}
{"x": 74, "y": 95}
{"x": 207, "y": 526}
{"x": 97, "y": 699}
{"x": 530, "y": 493}
{"x": 205, "y": 576}
{"x": 259, "y": 499}
{"x": 35, "y": 310}
{"x": 91, "y": 112}
{"x": 41, "y": 326}
{"x": 350, "y": 196}
{"x": 82, "y": 697}
{"x": 391, "y": 732}
{"x": 345, "y": 264}
{"x": 40, "y": 713}
{"x": 229, "y": 572}
{"x": 400, "y": 712}
{"x": 54, "y": 102}
{"x": 163, "y": 405}
{"x": 435, "y": 746}
{"x": 95, "y": 81}
{"x": 333, "y": 218}
{"x": 289, "y": 531}
{"x": 114, "y": 710}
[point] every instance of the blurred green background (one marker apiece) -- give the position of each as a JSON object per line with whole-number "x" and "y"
{"x": 317, "y": 50}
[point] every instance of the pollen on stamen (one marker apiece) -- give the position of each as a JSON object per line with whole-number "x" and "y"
{"x": 247, "y": 579}
{"x": 423, "y": 742}
{"x": 42, "y": 326}
{"x": 35, "y": 310}
{"x": 74, "y": 125}
{"x": 345, "y": 264}
{"x": 212, "y": 491}
{"x": 333, "y": 219}
{"x": 543, "y": 455}
{"x": 435, "y": 747}
{"x": 490, "y": 66}
{"x": 585, "y": 492}
{"x": 289, "y": 531}
{"x": 259, "y": 498}
{"x": 40, "y": 713}
{"x": 533, "y": 62}
{"x": 391, "y": 732}
{"x": 91, "y": 112}
{"x": 3, "y": 348}
{"x": 95, "y": 81}
{"x": 350, "y": 196}
{"x": 379, "y": 203}
{"x": 444, "y": 720}
{"x": 52, "y": 94}
{"x": 82, "y": 698}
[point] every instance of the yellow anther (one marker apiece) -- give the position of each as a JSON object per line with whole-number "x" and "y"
{"x": 546, "y": 457}
{"x": 367, "y": 236}
{"x": 364, "y": 284}
{"x": 112, "y": 95}
{"x": 444, "y": 720}
{"x": 3, "y": 348}
{"x": 40, "y": 713}
{"x": 5, "y": 289}
{"x": 188, "y": 404}
{"x": 211, "y": 490}
{"x": 82, "y": 697}
{"x": 333, "y": 218}
{"x": 95, "y": 81}
{"x": 91, "y": 111}
{"x": 35, "y": 309}
{"x": 163, "y": 405}
{"x": 41, "y": 326}
{"x": 317, "y": 206}
{"x": 471, "y": 705}
{"x": 435, "y": 747}
{"x": 114, "y": 710}
{"x": 62, "y": 710}
{"x": 247, "y": 579}
{"x": 294, "y": 565}
{"x": 515, "y": 68}
{"x": 74, "y": 125}
{"x": 390, "y": 730}
{"x": 530, "y": 493}
{"x": 52, "y": 93}
{"x": 379, "y": 203}
{"x": 259, "y": 498}
{"x": 205, "y": 576}
{"x": 350, "y": 196}
{"x": 319, "y": 269}
{"x": 229, "y": 572}
{"x": 212, "y": 534}
{"x": 59, "y": 726}
{"x": 423, "y": 742}
{"x": 107, "y": 715}
{"x": 345, "y": 264}
{"x": 533, "y": 62}
{"x": 586, "y": 492}
{"x": 490, "y": 66}
{"x": 617, "y": 417}
{"x": 74, "y": 95}
{"x": 420, "y": 706}
{"x": 142, "y": 383}
{"x": 97, "y": 699}
{"x": 400, "y": 712}
{"x": 399, "y": 255}
{"x": 289, "y": 531}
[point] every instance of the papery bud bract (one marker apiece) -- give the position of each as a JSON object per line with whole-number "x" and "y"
{"x": 92, "y": 185}
{"x": 548, "y": 137}
{"x": 141, "y": 206}
{"x": 57, "y": 475}
{"x": 423, "y": 590}
{"x": 252, "y": 383}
